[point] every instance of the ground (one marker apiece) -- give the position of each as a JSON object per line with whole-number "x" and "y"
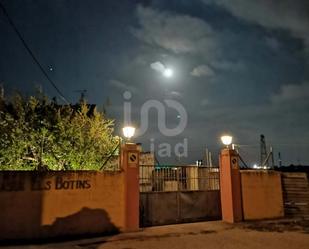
{"x": 282, "y": 234}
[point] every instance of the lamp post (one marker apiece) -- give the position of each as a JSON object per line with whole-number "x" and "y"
{"x": 129, "y": 161}
{"x": 230, "y": 182}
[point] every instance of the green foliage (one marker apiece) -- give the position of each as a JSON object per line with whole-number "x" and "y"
{"x": 36, "y": 134}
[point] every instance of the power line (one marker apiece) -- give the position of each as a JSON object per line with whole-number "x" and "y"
{"x": 32, "y": 54}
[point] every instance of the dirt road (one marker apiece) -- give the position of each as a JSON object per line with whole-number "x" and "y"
{"x": 214, "y": 235}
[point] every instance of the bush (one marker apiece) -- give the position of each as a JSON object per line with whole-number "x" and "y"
{"x": 38, "y": 134}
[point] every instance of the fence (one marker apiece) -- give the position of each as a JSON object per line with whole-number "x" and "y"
{"x": 177, "y": 178}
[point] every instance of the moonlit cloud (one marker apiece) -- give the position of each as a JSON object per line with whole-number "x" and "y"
{"x": 174, "y": 32}
{"x": 175, "y": 94}
{"x": 158, "y": 66}
{"x": 202, "y": 70}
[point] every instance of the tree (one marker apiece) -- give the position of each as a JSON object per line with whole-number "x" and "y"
{"x": 38, "y": 134}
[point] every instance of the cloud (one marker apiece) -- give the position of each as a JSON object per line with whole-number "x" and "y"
{"x": 289, "y": 15}
{"x": 204, "y": 102}
{"x": 228, "y": 65}
{"x": 158, "y": 66}
{"x": 122, "y": 86}
{"x": 174, "y": 32}
{"x": 175, "y": 95}
{"x": 291, "y": 93}
{"x": 202, "y": 70}
{"x": 272, "y": 43}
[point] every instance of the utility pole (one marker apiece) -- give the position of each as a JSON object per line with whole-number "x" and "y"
{"x": 206, "y": 158}
{"x": 279, "y": 160}
{"x": 272, "y": 157}
{"x": 265, "y": 157}
{"x": 263, "y": 150}
{"x": 210, "y": 159}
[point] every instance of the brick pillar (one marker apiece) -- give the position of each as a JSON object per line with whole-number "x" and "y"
{"x": 130, "y": 165}
{"x": 230, "y": 186}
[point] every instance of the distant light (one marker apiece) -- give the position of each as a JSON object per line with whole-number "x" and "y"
{"x": 255, "y": 166}
{"x": 128, "y": 131}
{"x": 168, "y": 72}
{"x": 226, "y": 140}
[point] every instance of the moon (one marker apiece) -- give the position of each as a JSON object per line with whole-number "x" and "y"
{"x": 168, "y": 72}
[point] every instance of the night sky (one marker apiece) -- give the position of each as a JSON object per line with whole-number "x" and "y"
{"x": 240, "y": 66}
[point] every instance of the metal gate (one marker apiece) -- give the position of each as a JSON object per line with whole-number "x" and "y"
{"x": 170, "y": 195}
{"x": 295, "y": 188}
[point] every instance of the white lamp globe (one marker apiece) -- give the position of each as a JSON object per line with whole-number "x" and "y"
{"x": 226, "y": 140}
{"x": 128, "y": 131}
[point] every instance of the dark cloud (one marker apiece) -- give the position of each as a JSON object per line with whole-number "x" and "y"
{"x": 226, "y": 65}
{"x": 273, "y": 43}
{"x": 123, "y": 86}
{"x": 290, "y": 15}
{"x": 292, "y": 94}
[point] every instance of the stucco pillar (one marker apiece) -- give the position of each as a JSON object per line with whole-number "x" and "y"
{"x": 230, "y": 186}
{"x": 130, "y": 165}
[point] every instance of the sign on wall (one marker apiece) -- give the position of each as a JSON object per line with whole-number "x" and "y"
{"x": 18, "y": 182}
{"x": 132, "y": 159}
{"x": 234, "y": 162}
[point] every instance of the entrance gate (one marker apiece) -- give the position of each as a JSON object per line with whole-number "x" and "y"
{"x": 170, "y": 195}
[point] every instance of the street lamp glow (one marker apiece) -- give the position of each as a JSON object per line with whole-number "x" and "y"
{"x": 226, "y": 140}
{"x": 168, "y": 72}
{"x": 128, "y": 131}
